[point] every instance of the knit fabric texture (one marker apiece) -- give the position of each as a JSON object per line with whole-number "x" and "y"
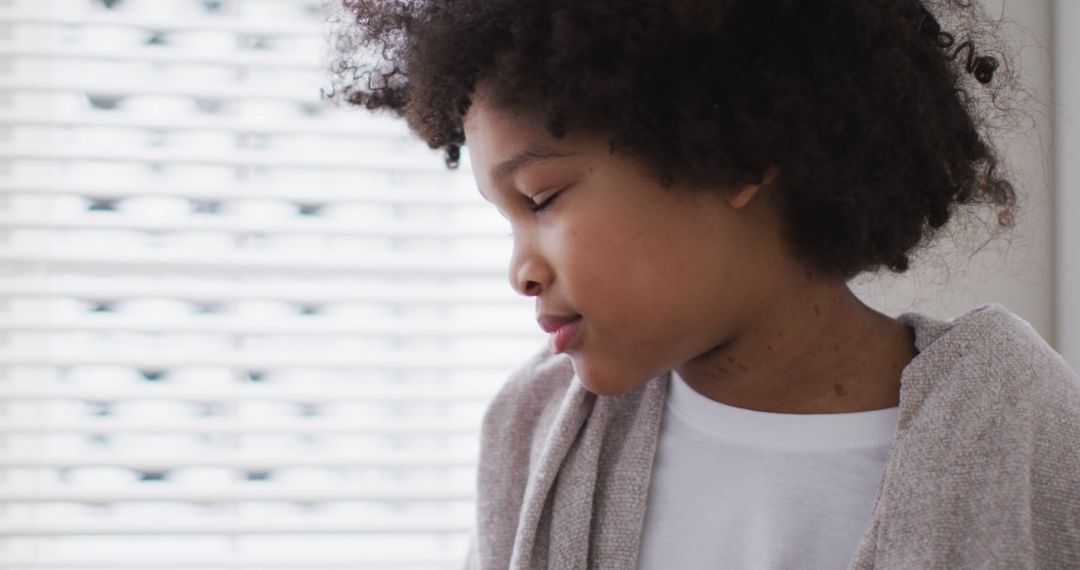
{"x": 984, "y": 470}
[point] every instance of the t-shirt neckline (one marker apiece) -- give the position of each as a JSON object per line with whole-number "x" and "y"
{"x": 812, "y": 431}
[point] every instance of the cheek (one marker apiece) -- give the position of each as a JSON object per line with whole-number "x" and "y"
{"x": 620, "y": 281}
{"x": 592, "y": 263}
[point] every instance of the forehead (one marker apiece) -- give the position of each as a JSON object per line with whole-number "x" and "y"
{"x": 501, "y": 141}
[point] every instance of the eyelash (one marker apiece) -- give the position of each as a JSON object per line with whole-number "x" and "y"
{"x": 543, "y": 205}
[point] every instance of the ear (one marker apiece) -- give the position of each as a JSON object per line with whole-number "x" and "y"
{"x": 740, "y": 196}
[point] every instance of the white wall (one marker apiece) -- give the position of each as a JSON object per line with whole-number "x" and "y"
{"x": 1067, "y": 176}
{"x": 1018, "y": 269}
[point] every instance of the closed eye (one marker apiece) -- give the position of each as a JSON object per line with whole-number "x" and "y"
{"x": 545, "y": 204}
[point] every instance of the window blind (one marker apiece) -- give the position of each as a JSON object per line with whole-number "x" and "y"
{"x": 239, "y": 327}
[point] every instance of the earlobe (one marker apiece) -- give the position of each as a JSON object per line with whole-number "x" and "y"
{"x": 740, "y": 196}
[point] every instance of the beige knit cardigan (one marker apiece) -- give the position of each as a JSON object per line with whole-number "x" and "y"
{"x": 984, "y": 471}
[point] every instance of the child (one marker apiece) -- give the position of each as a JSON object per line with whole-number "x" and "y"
{"x": 691, "y": 184}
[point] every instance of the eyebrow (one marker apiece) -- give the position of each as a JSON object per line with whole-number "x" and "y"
{"x": 524, "y": 157}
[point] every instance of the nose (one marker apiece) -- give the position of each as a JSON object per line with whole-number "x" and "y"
{"x": 530, "y": 273}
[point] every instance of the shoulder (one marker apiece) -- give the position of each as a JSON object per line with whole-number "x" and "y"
{"x": 985, "y": 447}
{"x": 991, "y": 354}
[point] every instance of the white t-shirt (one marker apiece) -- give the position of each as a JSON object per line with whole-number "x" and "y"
{"x": 743, "y": 489}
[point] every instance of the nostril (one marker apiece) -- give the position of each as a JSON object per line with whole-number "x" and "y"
{"x": 532, "y": 288}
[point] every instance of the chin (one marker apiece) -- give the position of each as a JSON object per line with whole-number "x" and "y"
{"x": 605, "y": 380}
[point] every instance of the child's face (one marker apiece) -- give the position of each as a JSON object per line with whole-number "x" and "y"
{"x": 659, "y": 276}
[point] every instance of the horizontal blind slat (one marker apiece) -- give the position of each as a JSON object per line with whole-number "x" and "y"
{"x": 121, "y": 89}
{"x": 238, "y": 493}
{"x": 314, "y": 562}
{"x": 384, "y": 162}
{"x": 243, "y": 394}
{"x": 301, "y": 294}
{"x": 366, "y": 130}
{"x": 298, "y": 326}
{"x": 238, "y": 26}
{"x": 251, "y": 263}
{"x": 163, "y": 56}
{"x": 245, "y": 461}
{"x": 209, "y": 426}
{"x": 239, "y": 225}
{"x": 228, "y": 526}
{"x": 240, "y": 191}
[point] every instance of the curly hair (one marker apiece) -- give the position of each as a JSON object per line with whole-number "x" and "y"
{"x": 867, "y": 109}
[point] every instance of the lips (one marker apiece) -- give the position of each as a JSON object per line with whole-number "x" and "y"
{"x": 562, "y": 329}
{"x": 551, "y": 323}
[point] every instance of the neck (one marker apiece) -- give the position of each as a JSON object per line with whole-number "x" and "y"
{"x": 810, "y": 347}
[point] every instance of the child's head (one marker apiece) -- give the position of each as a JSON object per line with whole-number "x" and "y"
{"x": 704, "y": 150}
